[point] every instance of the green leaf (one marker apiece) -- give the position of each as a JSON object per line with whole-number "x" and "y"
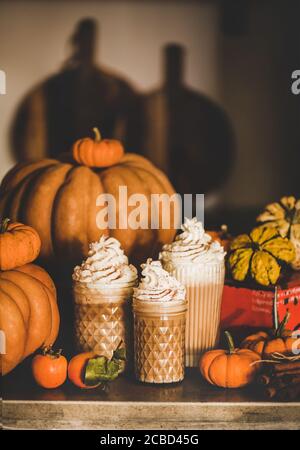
{"x": 113, "y": 369}
{"x": 94, "y": 369}
{"x": 100, "y": 369}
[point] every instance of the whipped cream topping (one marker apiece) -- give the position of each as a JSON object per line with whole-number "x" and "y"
{"x": 193, "y": 245}
{"x": 105, "y": 264}
{"x": 157, "y": 285}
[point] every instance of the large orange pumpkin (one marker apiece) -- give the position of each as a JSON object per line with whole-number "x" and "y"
{"x": 58, "y": 198}
{"x": 29, "y": 314}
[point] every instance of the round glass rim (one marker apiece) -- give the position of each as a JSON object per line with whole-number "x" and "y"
{"x": 102, "y": 286}
{"x": 192, "y": 263}
{"x": 160, "y": 303}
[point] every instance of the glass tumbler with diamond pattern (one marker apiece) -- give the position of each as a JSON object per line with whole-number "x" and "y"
{"x": 103, "y": 317}
{"x": 159, "y": 340}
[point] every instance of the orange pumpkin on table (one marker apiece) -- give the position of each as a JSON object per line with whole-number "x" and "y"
{"x": 278, "y": 340}
{"x": 230, "y": 368}
{"x": 28, "y": 313}
{"x": 19, "y": 244}
{"x": 59, "y": 199}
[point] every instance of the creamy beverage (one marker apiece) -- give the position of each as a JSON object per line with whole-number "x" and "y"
{"x": 103, "y": 287}
{"x": 197, "y": 262}
{"x": 159, "y": 309}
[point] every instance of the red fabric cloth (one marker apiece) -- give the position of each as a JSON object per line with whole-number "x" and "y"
{"x": 251, "y": 307}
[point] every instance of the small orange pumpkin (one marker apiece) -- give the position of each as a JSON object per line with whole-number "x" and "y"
{"x": 229, "y": 369}
{"x": 19, "y": 244}
{"x": 97, "y": 152}
{"x": 278, "y": 340}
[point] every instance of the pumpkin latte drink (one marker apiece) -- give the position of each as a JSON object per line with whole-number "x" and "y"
{"x": 198, "y": 263}
{"x": 103, "y": 287}
{"x": 159, "y": 309}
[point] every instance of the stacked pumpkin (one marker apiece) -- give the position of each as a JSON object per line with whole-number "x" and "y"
{"x": 60, "y": 199}
{"x": 28, "y": 307}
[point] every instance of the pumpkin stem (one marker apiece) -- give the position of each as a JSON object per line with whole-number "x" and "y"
{"x": 97, "y": 134}
{"x": 229, "y": 342}
{"x": 275, "y": 309}
{"x": 279, "y": 327}
{"x": 3, "y": 225}
{"x": 282, "y": 325}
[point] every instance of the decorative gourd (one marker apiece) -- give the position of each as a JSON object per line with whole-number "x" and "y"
{"x": 222, "y": 236}
{"x": 229, "y": 369}
{"x": 259, "y": 255}
{"x": 278, "y": 340}
{"x": 285, "y": 215}
{"x": 19, "y": 244}
{"x": 59, "y": 199}
{"x": 28, "y": 313}
{"x": 98, "y": 152}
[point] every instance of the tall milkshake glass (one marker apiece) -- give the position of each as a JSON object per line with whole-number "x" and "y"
{"x": 197, "y": 262}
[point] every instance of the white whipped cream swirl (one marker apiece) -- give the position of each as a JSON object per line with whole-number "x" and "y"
{"x": 105, "y": 264}
{"x": 193, "y": 245}
{"x": 157, "y": 285}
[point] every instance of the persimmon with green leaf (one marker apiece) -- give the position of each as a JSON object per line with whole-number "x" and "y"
{"x": 90, "y": 370}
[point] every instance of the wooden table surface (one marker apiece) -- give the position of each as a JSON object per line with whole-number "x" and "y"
{"x": 127, "y": 404}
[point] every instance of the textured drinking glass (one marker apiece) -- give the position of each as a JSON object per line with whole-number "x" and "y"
{"x": 204, "y": 284}
{"x": 159, "y": 335}
{"x": 102, "y": 318}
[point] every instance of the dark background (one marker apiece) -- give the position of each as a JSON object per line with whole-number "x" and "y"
{"x": 202, "y": 88}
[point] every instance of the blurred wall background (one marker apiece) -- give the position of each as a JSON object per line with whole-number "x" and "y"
{"x": 241, "y": 58}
